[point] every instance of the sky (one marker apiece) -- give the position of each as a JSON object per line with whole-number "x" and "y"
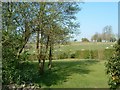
{"x": 94, "y": 16}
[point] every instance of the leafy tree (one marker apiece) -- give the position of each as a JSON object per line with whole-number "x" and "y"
{"x": 75, "y": 40}
{"x": 10, "y": 43}
{"x": 95, "y": 37}
{"x": 50, "y": 23}
{"x": 55, "y": 23}
{"x": 113, "y": 68}
{"x": 85, "y": 40}
{"x": 14, "y": 38}
{"x": 107, "y": 33}
{"x": 99, "y": 39}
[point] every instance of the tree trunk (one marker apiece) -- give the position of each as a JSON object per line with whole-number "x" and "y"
{"x": 38, "y": 51}
{"x": 26, "y": 38}
{"x": 47, "y": 45}
{"x": 50, "y": 57}
{"x": 41, "y": 55}
{"x": 18, "y": 55}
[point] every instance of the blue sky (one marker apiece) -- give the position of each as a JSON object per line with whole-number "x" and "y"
{"x": 94, "y": 16}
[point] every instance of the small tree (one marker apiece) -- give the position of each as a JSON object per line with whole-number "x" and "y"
{"x": 85, "y": 40}
{"x": 75, "y": 40}
{"x": 113, "y": 68}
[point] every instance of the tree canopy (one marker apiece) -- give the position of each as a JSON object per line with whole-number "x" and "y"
{"x": 49, "y": 23}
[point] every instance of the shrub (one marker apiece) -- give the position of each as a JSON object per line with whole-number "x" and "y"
{"x": 108, "y": 53}
{"x": 101, "y": 55}
{"x": 9, "y": 64}
{"x": 32, "y": 57}
{"x": 72, "y": 55}
{"x": 11, "y": 68}
{"x": 85, "y": 54}
{"x": 24, "y": 56}
{"x": 113, "y": 68}
{"x": 63, "y": 55}
{"x": 82, "y": 54}
{"x": 94, "y": 54}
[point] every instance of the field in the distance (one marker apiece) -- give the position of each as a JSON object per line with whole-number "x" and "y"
{"x": 86, "y": 46}
{"x": 73, "y": 46}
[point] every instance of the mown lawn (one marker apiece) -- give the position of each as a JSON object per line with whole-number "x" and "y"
{"x": 71, "y": 74}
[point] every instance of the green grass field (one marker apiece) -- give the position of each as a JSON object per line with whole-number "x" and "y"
{"x": 71, "y": 74}
{"x": 87, "y": 46}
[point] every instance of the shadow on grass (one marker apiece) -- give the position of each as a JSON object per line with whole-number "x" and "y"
{"x": 59, "y": 73}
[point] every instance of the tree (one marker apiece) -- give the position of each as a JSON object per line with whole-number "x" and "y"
{"x": 107, "y": 33}
{"x": 99, "y": 38}
{"x": 85, "y": 40}
{"x": 11, "y": 42}
{"x": 49, "y": 22}
{"x": 52, "y": 17}
{"x": 75, "y": 40}
{"x": 17, "y": 27}
{"x": 95, "y": 37}
{"x": 113, "y": 68}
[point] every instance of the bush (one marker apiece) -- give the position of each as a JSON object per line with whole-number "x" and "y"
{"x": 12, "y": 69}
{"x": 113, "y": 68}
{"x": 108, "y": 53}
{"x": 9, "y": 64}
{"x": 24, "y": 56}
{"x": 85, "y": 54}
{"x": 82, "y": 54}
{"x": 63, "y": 55}
{"x": 32, "y": 57}
{"x": 72, "y": 55}
{"x": 94, "y": 54}
{"x": 101, "y": 55}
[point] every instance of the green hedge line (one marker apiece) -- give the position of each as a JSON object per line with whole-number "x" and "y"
{"x": 85, "y": 54}
{"x": 80, "y": 54}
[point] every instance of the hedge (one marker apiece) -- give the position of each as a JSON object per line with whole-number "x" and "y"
{"x": 80, "y": 54}
{"x": 86, "y": 54}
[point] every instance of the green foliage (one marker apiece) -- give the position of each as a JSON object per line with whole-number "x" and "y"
{"x": 63, "y": 55}
{"x": 82, "y": 54}
{"x": 94, "y": 54}
{"x": 10, "y": 45}
{"x": 25, "y": 56}
{"x": 85, "y": 54}
{"x": 13, "y": 69}
{"x": 108, "y": 53}
{"x": 72, "y": 55}
{"x": 24, "y": 19}
{"x": 85, "y": 40}
{"x": 10, "y": 71}
{"x": 8, "y": 65}
{"x": 32, "y": 57}
{"x": 113, "y": 68}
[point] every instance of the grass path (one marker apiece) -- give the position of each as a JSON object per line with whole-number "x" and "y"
{"x": 90, "y": 74}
